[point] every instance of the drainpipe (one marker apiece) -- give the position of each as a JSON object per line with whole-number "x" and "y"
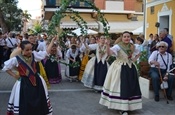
{"x": 144, "y": 22}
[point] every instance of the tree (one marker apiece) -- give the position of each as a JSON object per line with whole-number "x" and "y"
{"x": 26, "y": 15}
{"x": 25, "y": 18}
{"x": 11, "y": 16}
{"x": 37, "y": 28}
{"x": 3, "y": 23}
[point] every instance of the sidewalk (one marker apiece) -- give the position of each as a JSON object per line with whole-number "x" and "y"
{"x": 74, "y": 99}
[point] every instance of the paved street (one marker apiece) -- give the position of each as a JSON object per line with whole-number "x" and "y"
{"x": 74, "y": 99}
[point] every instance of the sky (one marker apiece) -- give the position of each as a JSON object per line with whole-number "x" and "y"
{"x": 32, "y": 6}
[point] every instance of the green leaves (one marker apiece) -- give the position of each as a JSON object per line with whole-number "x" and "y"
{"x": 75, "y": 16}
{"x": 143, "y": 56}
{"x": 12, "y": 16}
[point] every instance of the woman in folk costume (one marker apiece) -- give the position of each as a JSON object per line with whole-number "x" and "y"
{"x": 72, "y": 55}
{"x": 87, "y": 55}
{"x": 29, "y": 95}
{"x": 121, "y": 89}
{"x": 96, "y": 68}
{"x": 52, "y": 67}
{"x": 39, "y": 64}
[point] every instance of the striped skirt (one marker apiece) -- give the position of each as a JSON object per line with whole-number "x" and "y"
{"x": 121, "y": 89}
{"x": 26, "y": 99}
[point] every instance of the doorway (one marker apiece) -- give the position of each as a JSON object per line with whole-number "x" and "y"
{"x": 164, "y": 22}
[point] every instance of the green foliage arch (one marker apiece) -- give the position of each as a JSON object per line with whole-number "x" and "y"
{"x": 75, "y": 16}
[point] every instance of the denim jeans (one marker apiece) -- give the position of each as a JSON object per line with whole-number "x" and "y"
{"x": 154, "y": 74}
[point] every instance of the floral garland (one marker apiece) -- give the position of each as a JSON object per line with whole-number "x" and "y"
{"x": 56, "y": 19}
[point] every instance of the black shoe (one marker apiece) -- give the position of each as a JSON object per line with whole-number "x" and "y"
{"x": 156, "y": 98}
{"x": 170, "y": 98}
{"x": 123, "y": 112}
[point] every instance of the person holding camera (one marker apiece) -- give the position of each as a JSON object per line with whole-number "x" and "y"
{"x": 162, "y": 60}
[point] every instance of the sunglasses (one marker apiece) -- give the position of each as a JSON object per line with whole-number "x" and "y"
{"x": 161, "y": 46}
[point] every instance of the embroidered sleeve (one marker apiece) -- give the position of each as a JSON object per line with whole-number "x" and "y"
{"x": 10, "y": 64}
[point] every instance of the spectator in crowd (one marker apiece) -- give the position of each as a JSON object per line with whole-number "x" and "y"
{"x": 163, "y": 37}
{"x": 132, "y": 39}
{"x": 2, "y": 45}
{"x": 11, "y": 43}
{"x": 168, "y": 35}
{"x": 25, "y": 37}
{"x": 154, "y": 42}
{"x": 42, "y": 44}
{"x": 161, "y": 60}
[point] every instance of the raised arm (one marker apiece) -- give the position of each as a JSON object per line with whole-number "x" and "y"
{"x": 51, "y": 44}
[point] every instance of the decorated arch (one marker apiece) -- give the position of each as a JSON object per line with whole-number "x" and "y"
{"x": 64, "y": 10}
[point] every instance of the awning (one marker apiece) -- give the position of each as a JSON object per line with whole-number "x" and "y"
{"x": 138, "y": 30}
{"x": 89, "y": 32}
{"x": 73, "y": 25}
{"x": 119, "y": 27}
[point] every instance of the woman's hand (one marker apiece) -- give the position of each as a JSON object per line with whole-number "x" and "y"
{"x": 107, "y": 41}
{"x": 54, "y": 39}
{"x": 15, "y": 75}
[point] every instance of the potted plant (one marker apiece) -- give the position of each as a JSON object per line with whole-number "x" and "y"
{"x": 143, "y": 65}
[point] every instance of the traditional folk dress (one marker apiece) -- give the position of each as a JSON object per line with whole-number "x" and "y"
{"x": 121, "y": 89}
{"x": 29, "y": 95}
{"x": 53, "y": 69}
{"x": 40, "y": 67}
{"x": 96, "y": 68}
{"x": 71, "y": 71}
{"x": 87, "y": 56}
{"x": 41, "y": 70}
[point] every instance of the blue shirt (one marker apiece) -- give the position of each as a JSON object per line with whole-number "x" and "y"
{"x": 169, "y": 42}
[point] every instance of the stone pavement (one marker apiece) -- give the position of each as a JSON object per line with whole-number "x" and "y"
{"x": 74, "y": 99}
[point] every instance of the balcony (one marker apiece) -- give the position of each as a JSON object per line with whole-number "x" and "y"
{"x": 57, "y": 3}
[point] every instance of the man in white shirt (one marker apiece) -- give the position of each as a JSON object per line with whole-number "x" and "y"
{"x": 161, "y": 60}
{"x": 42, "y": 46}
{"x": 11, "y": 43}
{"x": 25, "y": 37}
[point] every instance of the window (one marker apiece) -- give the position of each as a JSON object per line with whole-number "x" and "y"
{"x": 82, "y": 4}
{"x": 51, "y": 2}
{"x": 152, "y": 10}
